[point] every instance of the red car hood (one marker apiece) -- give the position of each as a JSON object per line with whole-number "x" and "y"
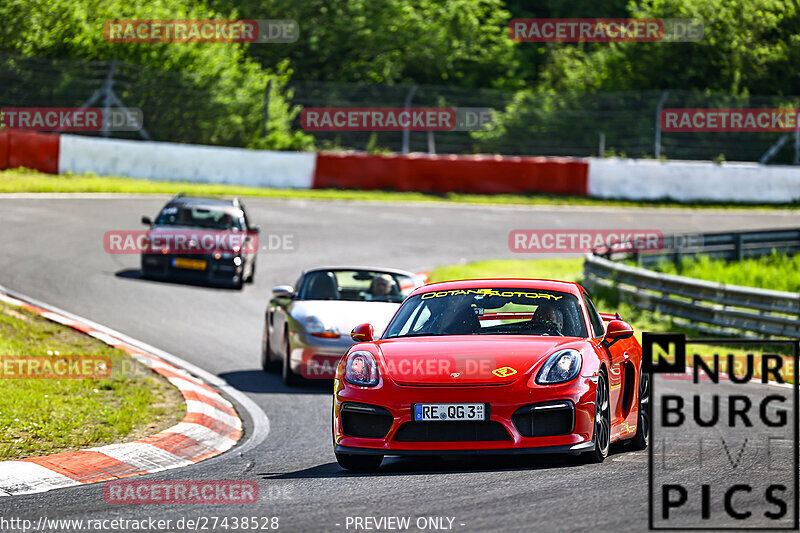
{"x": 466, "y": 359}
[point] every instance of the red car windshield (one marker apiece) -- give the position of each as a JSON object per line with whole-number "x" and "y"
{"x": 489, "y": 311}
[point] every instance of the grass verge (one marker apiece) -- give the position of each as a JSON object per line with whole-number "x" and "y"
{"x": 777, "y": 272}
{"x": 44, "y": 416}
{"x": 23, "y": 180}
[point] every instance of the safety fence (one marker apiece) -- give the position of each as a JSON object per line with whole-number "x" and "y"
{"x": 721, "y": 308}
{"x": 182, "y": 106}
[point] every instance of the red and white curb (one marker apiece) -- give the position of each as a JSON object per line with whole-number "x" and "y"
{"x": 210, "y": 427}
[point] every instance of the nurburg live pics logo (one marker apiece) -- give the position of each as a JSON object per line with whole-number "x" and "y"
{"x": 724, "y": 439}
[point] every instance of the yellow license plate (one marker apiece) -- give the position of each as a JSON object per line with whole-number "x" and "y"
{"x": 192, "y": 264}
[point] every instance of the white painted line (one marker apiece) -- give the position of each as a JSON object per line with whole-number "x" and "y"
{"x": 205, "y": 436}
{"x": 102, "y": 337}
{"x": 22, "y": 477}
{"x": 58, "y": 318}
{"x": 142, "y": 456}
{"x": 189, "y": 385}
{"x": 11, "y": 301}
{"x": 194, "y": 406}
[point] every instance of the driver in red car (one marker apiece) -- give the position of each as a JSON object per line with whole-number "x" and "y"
{"x": 548, "y": 314}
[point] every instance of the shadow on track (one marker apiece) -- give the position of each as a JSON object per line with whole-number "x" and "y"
{"x": 136, "y": 274}
{"x": 423, "y": 466}
{"x": 261, "y": 382}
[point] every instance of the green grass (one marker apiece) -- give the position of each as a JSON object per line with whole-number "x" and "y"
{"x": 776, "y": 271}
{"x": 43, "y": 416}
{"x": 23, "y": 180}
{"x": 556, "y": 269}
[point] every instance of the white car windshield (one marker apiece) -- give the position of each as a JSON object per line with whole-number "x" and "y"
{"x": 356, "y": 285}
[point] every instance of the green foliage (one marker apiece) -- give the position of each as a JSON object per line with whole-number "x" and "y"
{"x": 458, "y": 42}
{"x": 214, "y": 91}
{"x": 776, "y": 271}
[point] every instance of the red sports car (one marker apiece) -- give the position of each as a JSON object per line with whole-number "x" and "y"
{"x": 491, "y": 366}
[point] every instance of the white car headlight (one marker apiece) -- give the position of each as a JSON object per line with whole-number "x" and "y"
{"x": 314, "y": 326}
{"x": 361, "y": 369}
{"x": 562, "y": 366}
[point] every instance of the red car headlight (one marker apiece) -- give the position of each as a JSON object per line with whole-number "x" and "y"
{"x": 361, "y": 368}
{"x": 561, "y": 367}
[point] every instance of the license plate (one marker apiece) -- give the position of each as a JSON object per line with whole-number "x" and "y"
{"x": 191, "y": 264}
{"x": 438, "y": 412}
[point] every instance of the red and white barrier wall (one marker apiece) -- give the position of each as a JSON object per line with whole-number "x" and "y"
{"x": 646, "y": 179}
{"x": 630, "y": 179}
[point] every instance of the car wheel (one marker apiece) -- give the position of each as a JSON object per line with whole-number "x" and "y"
{"x": 640, "y": 441}
{"x": 359, "y": 463}
{"x": 267, "y": 362}
{"x": 602, "y": 422}
{"x": 252, "y": 275}
{"x": 289, "y": 377}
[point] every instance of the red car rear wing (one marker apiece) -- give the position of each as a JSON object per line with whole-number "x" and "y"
{"x": 608, "y": 317}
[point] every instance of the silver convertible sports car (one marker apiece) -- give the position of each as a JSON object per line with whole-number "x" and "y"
{"x": 307, "y": 327}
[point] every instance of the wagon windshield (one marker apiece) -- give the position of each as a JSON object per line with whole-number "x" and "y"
{"x": 489, "y": 311}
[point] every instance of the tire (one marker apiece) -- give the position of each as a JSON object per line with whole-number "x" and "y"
{"x": 267, "y": 362}
{"x": 359, "y": 463}
{"x": 289, "y": 377}
{"x": 602, "y": 424}
{"x": 641, "y": 439}
{"x": 252, "y": 275}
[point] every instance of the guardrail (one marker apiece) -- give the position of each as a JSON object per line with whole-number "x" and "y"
{"x": 727, "y": 308}
{"x": 729, "y": 246}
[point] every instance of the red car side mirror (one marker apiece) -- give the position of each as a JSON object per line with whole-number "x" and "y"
{"x": 363, "y": 333}
{"x": 616, "y": 331}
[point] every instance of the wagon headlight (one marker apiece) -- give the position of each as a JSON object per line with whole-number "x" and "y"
{"x": 361, "y": 368}
{"x": 315, "y": 327}
{"x": 560, "y": 367}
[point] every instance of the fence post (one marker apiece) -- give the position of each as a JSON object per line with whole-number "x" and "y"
{"x": 266, "y": 107}
{"x": 109, "y": 98}
{"x": 406, "y": 105}
{"x": 657, "y": 149}
{"x": 738, "y": 251}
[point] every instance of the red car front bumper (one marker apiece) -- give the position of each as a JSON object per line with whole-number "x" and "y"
{"x": 523, "y": 418}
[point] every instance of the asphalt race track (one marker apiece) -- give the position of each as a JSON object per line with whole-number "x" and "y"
{"x": 52, "y": 250}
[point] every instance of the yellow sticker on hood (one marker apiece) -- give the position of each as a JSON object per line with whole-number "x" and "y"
{"x": 504, "y": 372}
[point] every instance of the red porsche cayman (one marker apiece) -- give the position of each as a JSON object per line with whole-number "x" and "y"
{"x": 490, "y": 366}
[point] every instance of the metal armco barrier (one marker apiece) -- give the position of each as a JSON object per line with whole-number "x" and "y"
{"x": 726, "y": 307}
{"x": 729, "y": 246}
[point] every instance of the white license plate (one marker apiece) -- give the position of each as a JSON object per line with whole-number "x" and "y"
{"x": 430, "y": 412}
